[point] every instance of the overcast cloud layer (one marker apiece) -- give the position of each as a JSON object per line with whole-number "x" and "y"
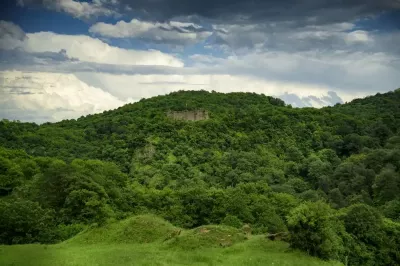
{"x": 313, "y": 53}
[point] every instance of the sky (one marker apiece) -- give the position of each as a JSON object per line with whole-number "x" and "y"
{"x": 62, "y": 59}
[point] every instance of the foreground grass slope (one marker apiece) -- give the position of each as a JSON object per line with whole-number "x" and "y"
{"x": 149, "y": 240}
{"x": 256, "y": 251}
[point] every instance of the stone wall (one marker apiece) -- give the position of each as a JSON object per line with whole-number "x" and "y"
{"x": 189, "y": 115}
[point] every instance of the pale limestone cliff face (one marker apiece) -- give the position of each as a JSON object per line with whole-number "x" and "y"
{"x": 196, "y": 115}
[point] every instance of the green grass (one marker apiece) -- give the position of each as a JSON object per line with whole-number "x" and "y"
{"x": 136, "y": 229}
{"x": 208, "y": 236}
{"x": 147, "y": 240}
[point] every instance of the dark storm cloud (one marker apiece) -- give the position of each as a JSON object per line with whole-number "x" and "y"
{"x": 10, "y": 30}
{"x": 305, "y": 11}
{"x": 183, "y": 29}
{"x": 173, "y": 32}
{"x": 19, "y": 57}
{"x": 313, "y": 11}
{"x": 59, "y": 62}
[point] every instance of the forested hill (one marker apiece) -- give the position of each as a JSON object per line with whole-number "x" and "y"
{"x": 330, "y": 176}
{"x": 239, "y": 121}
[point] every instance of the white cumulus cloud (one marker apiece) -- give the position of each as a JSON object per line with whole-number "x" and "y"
{"x": 51, "y": 96}
{"x": 82, "y": 47}
{"x": 90, "y": 49}
{"x": 135, "y": 87}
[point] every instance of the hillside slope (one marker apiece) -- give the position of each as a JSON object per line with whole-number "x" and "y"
{"x": 252, "y": 160}
{"x": 262, "y": 120}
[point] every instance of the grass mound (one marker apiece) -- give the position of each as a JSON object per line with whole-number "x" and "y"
{"x": 208, "y": 236}
{"x": 136, "y": 229}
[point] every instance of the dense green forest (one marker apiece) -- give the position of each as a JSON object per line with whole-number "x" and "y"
{"x": 330, "y": 177}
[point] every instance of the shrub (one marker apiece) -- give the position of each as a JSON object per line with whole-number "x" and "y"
{"x": 315, "y": 229}
{"x": 233, "y": 221}
{"x": 24, "y": 221}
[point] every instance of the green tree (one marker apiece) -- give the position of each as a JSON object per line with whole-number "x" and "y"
{"x": 336, "y": 198}
{"x": 387, "y": 185}
{"x": 365, "y": 224}
{"x": 315, "y": 229}
{"x": 23, "y": 221}
{"x": 233, "y": 221}
{"x": 11, "y": 176}
{"x": 391, "y": 210}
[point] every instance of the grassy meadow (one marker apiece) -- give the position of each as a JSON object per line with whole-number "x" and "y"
{"x": 149, "y": 240}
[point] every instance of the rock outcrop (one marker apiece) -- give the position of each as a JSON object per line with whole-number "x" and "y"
{"x": 195, "y": 115}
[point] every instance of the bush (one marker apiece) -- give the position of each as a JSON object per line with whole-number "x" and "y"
{"x": 315, "y": 229}
{"x": 365, "y": 224}
{"x": 391, "y": 210}
{"x": 233, "y": 221}
{"x": 23, "y": 221}
{"x": 392, "y": 230}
